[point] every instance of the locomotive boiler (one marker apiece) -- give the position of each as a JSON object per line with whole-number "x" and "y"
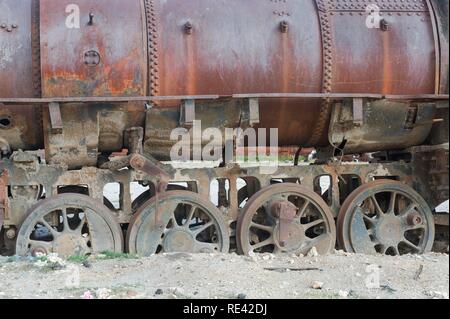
{"x": 90, "y": 92}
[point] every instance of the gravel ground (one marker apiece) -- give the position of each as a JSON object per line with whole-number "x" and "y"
{"x": 186, "y": 276}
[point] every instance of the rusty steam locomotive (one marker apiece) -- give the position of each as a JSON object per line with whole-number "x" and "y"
{"x": 90, "y": 92}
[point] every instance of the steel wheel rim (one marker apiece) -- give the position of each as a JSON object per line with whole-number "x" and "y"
{"x": 321, "y": 217}
{"x": 396, "y": 224}
{"x": 189, "y": 223}
{"x": 68, "y": 225}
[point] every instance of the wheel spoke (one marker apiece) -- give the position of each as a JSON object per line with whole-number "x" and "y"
{"x": 277, "y": 250}
{"x": 65, "y": 220}
{"x": 414, "y": 227}
{"x": 50, "y": 228}
{"x": 316, "y": 242}
{"x": 172, "y": 220}
{"x": 265, "y": 228}
{"x": 190, "y": 216}
{"x": 264, "y": 243}
{"x": 410, "y": 207}
{"x": 87, "y": 240}
{"x": 203, "y": 228}
{"x": 374, "y": 239}
{"x": 369, "y": 219}
{"x": 392, "y": 200}
{"x": 304, "y": 207}
{"x": 378, "y": 209}
{"x": 396, "y": 251}
{"x": 313, "y": 223}
{"x": 410, "y": 244}
{"x": 83, "y": 221}
{"x": 384, "y": 249}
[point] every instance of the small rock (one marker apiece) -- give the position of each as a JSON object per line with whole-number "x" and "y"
{"x": 159, "y": 291}
{"x": 339, "y": 252}
{"x": 177, "y": 291}
{"x": 313, "y": 252}
{"x": 343, "y": 293}
{"x": 266, "y": 257}
{"x": 317, "y": 285}
{"x": 242, "y": 296}
{"x": 87, "y": 264}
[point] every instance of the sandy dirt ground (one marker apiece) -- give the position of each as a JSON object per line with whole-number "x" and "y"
{"x": 185, "y": 276}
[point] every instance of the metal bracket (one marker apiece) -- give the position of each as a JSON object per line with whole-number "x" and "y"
{"x": 187, "y": 114}
{"x": 135, "y": 136}
{"x": 55, "y": 118}
{"x": 358, "y": 113}
{"x": 253, "y": 105}
{"x": 4, "y": 200}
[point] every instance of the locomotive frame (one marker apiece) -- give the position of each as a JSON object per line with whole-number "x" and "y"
{"x": 28, "y": 183}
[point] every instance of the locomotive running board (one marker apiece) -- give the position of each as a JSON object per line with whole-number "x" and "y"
{"x": 335, "y": 96}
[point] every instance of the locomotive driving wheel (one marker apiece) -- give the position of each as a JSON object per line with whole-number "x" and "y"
{"x": 69, "y": 224}
{"x": 177, "y": 221}
{"x": 385, "y": 217}
{"x": 286, "y": 218}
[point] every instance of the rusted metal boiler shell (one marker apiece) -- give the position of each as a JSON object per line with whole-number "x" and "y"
{"x": 222, "y": 47}
{"x": 20, "y": 125}
{"x": 229, "y": 47}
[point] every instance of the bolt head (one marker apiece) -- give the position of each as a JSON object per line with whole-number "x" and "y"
{"x": 11, "y": 233}
{"x": 415, "y": 219}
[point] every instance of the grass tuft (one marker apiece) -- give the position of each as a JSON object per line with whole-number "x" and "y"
{"x": 106, "y": 255}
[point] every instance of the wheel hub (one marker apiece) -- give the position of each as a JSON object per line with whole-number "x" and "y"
{"x": 179, "y": 240}
{"x": 68, "y": 244}
{"x": 389, "y": 230}
{"x": 289, "y": 237}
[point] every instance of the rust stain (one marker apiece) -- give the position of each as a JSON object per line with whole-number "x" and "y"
{"x": 387, "y": 64}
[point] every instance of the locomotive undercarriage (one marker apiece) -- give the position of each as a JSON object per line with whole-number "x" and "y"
{"x": 287, "y": 211}
{"x": 380, "y": 205}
